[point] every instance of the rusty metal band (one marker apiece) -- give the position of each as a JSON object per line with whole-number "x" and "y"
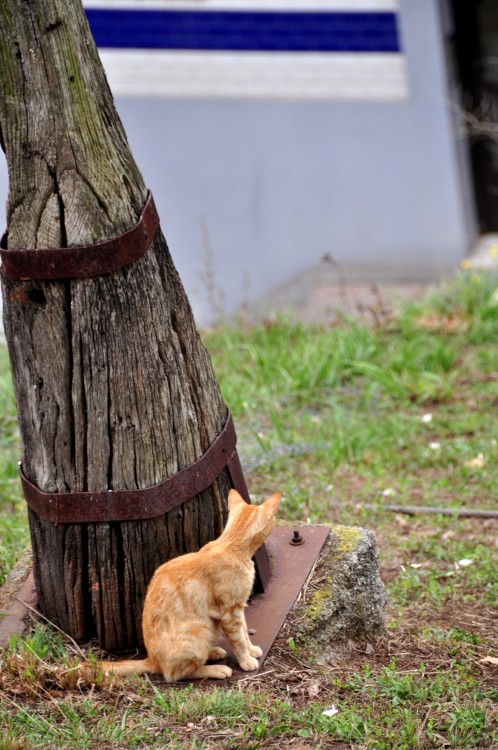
{"x": 140, "y": 504}
{"x": 49, "y": 263}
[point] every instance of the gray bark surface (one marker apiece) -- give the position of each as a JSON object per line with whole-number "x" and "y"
{"x": 114, "y": 388}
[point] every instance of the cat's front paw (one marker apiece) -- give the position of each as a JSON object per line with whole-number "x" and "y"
{"x": 249, "y": 664}
{"x": 255, "y": 651}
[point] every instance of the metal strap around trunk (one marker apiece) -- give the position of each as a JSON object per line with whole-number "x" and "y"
{"x": 139, "y": 504}
{"x": 23, "y": 264}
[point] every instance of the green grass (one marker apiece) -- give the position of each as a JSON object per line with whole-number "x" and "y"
{"x": 13, "y": 522}
{"x": 337, "y": 418}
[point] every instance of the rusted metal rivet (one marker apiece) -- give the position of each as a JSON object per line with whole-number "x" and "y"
{"x": 297, "y": 539}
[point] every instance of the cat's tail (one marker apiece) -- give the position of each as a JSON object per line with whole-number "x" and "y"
{"x": 129, "y": 666}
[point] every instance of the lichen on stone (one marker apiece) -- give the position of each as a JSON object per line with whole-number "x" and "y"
{"x": 317, "y": 601}
{"x": 347, "y": 538}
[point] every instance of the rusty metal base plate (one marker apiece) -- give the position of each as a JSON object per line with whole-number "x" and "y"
{"x": 13, "y": 621}
{"x": 291, "y": 562}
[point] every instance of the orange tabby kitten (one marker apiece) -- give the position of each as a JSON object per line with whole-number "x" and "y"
{"x": 193, "y": 598}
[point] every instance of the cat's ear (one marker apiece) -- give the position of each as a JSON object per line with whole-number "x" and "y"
{"x": 234, "y": 499}
{"x": 272, "y": 503}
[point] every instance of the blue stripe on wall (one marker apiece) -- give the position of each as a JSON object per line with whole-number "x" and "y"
{"x": 269, "y": 31}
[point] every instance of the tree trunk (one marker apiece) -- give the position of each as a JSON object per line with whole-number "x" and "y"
{"x": 114, "y": 388}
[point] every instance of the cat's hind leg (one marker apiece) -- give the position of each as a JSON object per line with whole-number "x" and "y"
{"x": 217, "y": 653}
{"x": 197, "y": 671}
{"x": 212, "y": 671}
{"x": 185, "y": 654}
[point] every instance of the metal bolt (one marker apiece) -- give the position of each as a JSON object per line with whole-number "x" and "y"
{"x": 297, "y": 539}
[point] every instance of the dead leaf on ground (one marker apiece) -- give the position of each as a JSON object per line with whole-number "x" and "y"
{"x": 313, "y": 689}
{"x": 401, "y": 521}
{"x": 490, "y": 660}
{"x": 479, "y": 462}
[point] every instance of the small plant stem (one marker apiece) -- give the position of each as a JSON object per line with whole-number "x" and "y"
{"x": 416, "y": 509}
{"x": 39, "y": 614}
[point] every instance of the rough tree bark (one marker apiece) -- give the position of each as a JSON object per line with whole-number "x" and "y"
{"x": 114, "y": 388}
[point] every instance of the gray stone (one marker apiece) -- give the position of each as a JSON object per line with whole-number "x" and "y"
{"x": 344, "y": 599}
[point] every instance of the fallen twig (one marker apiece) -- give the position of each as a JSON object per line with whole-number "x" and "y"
{"x": 412, "y": 510}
